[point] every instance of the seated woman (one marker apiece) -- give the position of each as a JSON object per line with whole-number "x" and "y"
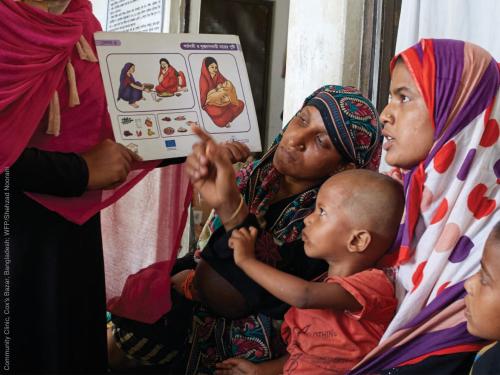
{"x": 237, "y": 317}
{"x": 130, "y": 89}
{"x": 218, "y": 95}
{"x": 441, "y": 126}
{"x": 170, "y": 80}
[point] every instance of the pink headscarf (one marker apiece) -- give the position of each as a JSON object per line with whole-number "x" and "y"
{"x": 452, "y": 200}
{"x": 35, "y": 49}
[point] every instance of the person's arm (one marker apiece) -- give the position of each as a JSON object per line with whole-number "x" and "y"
{"x": 288, "y": 288}
{"x": 167, "y": 162}
{"x": 105, "y": 166}
{"x": 141, "y": 87}
{"x": 239, "y": 366}
{"x": 54, "y": 173}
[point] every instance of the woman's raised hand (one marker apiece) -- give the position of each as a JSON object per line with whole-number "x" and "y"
{"x": 211, "y": 172}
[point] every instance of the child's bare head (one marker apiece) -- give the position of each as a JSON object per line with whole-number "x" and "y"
{"x": 358, "y": 211}
{"x": 483, "y": 292}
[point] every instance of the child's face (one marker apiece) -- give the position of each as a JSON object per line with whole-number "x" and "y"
{"x": 306, "y": 151}
{"x": 483, "y": 295}
{"x": 408, "y": 127}
{"x": 328, "y": 227}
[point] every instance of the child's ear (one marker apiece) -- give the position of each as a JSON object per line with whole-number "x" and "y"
{"x": 359, "y": 241}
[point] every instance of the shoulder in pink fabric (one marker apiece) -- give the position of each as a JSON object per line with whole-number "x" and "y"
{"x": 35, "y": 48}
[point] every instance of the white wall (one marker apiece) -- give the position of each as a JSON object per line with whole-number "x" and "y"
{"x": 276, "y": 92}
{"x": 324, "y": 47}
{"x": 473, "y": 21}
{"x": 100, "y": 9}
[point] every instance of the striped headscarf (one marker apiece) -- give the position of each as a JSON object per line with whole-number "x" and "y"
{"x": 451, "y": 203}
{"x": 352, "y": 124}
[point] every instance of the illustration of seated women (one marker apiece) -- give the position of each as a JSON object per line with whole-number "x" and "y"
{"x": 218, "y": 94}
{"x": 170, "y": 80}
{"x": 130, "y": 90}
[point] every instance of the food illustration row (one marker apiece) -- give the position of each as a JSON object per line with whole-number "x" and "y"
{"x": 148, "y": 126}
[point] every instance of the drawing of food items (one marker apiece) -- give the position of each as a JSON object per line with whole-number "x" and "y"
{"x": 175, "y": 124}
{"x": 138, "y": 127}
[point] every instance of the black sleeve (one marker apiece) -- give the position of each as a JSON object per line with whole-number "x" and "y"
{"x": 167, "y": 162}
{"x": 55, "y": 173}
{"x": 294, "y": 261}
{"x": 219, "y": 256}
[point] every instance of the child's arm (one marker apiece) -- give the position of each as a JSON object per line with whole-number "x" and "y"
{"x": 288, "y": 288}
{"x": 244, "y": 367}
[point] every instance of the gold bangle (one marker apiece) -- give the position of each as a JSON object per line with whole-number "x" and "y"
{"x": 235, "y": 213}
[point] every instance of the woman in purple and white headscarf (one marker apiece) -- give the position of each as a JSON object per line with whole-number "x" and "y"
{"x": 442, "y": 128}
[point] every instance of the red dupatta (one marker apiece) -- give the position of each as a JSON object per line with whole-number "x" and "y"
{"x": 35, "y": 48}
{"x": 208, "y": 83}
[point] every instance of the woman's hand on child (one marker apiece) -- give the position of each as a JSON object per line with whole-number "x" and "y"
{"x": 236, "y": 366}
{"x": 108, "y": 164}
{"x": 242, "y": 241}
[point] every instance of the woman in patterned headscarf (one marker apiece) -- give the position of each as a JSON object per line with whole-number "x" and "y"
{"x": 336, "y": 129}
{"x": 442, "y": 129}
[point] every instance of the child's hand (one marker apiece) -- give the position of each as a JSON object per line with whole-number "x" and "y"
{"x": 242, "y": 241}
{"x": 396, "y": 174}
{"x": 236, "y": 366}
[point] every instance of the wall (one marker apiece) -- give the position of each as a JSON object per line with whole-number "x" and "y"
{"x": 100, "y": 9}
{"x": 324, "y": 47}
{"x": 276, "y": 86}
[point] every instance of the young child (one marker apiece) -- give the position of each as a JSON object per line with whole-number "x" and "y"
{"x": 332, "y": 324}
{"x": 483, "y": 305}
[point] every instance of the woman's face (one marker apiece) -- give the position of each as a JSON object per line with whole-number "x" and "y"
{"x": 482, "y": 301}
{"x": 131, "y": 69}
{"x": 212, "y": 69}
{"x": 164, "y": 64}
{"x": 407, "y": 124}
{"x": 52, "y": 6}
{"x": 306, "y": 151}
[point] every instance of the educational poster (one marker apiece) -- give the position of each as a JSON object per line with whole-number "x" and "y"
{"x": 159, "y": 85}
